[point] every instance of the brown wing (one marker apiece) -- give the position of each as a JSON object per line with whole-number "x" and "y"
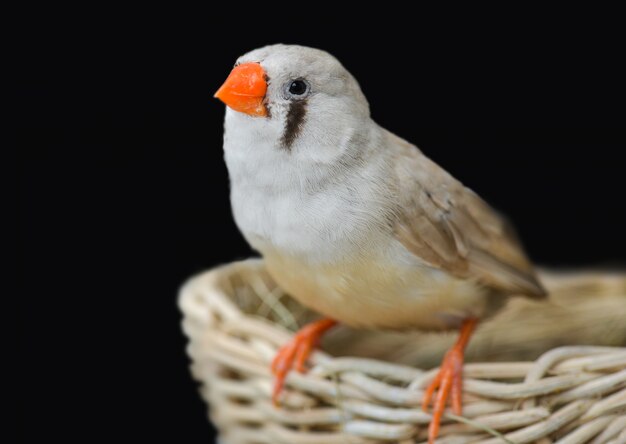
{"x": 450, "y": 227}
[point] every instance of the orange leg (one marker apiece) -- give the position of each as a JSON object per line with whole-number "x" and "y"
{"x": 449, "y": 380}
{"x": 297, "y": 351}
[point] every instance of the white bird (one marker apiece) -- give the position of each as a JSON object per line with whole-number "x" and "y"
{"x": 355, "y": 222}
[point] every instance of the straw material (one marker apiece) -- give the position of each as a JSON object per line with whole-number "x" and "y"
{"x": 236, "y": 319}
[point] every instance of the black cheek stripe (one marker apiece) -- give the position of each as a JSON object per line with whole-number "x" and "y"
{"x": 293, "y": 124}
{"x": 266, "y": 103}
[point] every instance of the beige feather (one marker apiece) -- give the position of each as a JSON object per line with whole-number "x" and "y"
{"x": 451, "y": 228}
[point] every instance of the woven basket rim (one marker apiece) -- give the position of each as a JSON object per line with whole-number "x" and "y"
{"x": 567, "y": 393}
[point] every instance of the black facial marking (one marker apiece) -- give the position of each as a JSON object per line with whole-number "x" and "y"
{"x": 266, "y": 102}
{"x": 293, "y": 125}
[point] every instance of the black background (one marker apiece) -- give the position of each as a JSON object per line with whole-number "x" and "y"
{"x": 125, "y": 193}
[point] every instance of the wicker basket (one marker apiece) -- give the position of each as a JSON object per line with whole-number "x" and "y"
{"x": 236, "y": 319}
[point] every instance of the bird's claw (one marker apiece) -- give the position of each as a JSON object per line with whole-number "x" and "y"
{"x": 448, "y": 383}
{"x": 296, "y": 353}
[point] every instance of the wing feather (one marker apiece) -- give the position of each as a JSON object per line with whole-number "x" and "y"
{"x": 450, "y": 227}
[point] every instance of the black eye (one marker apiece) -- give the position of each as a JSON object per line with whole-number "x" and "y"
{"x": 298, "y": 87}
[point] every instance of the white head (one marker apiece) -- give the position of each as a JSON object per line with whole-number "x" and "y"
{"x": 297, "y": 101}
{"x": 306, "y": 169}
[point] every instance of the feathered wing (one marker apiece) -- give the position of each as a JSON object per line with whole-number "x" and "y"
{"x": 450, "y": 227}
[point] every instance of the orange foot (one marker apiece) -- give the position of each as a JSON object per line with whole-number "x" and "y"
{"x": 449, "y": 381}
{"x": 297, "y": 351}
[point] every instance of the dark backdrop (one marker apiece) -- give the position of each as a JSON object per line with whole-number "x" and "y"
{"x": 125, "y": 193}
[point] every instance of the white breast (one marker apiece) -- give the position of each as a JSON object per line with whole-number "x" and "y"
{"x": 282, "y": 203}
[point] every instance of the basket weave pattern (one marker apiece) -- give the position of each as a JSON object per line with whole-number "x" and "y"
{"x": 236, "y": 319}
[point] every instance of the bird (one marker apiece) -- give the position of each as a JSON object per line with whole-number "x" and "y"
{"x": 355, "y": 222}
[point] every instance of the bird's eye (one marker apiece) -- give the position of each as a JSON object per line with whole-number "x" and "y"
{"x": 298, "y": 87}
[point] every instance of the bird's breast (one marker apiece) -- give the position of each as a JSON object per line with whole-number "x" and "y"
{"x": 321, "y": 227}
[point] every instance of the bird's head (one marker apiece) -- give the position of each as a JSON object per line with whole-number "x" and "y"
{"x": 293, "y": 97}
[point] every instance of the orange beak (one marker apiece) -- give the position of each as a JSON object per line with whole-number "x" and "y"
{"x": 244, "y": 89}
